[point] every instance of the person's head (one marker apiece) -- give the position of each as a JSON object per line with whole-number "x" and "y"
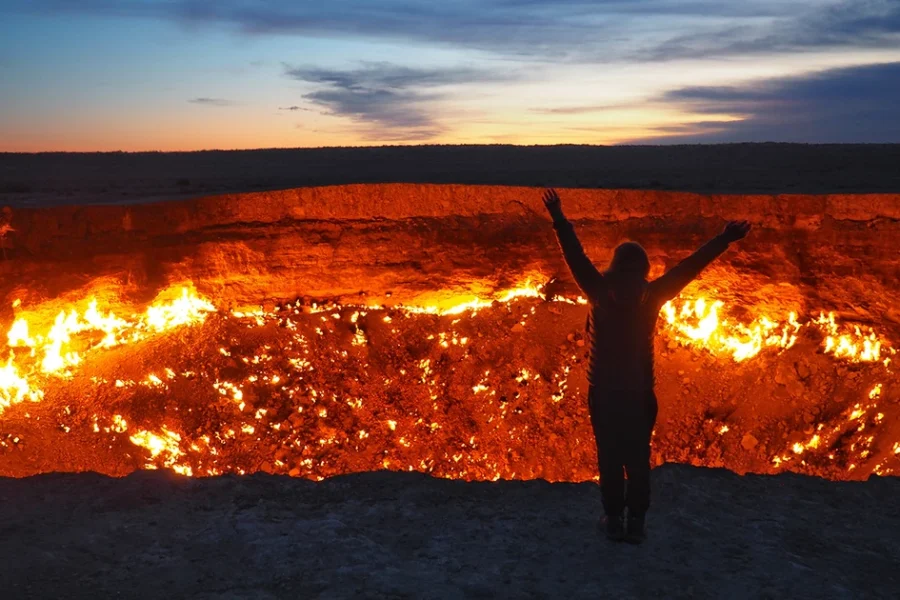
{"x": 630, "y": 260}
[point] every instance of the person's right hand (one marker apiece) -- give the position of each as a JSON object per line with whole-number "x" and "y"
{"x": 736, "y": 230}
{"x": 552, "y": 202}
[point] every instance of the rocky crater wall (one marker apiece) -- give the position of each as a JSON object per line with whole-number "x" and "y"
{"x": 410, "y": 243}
{"x": 497, "y": 393}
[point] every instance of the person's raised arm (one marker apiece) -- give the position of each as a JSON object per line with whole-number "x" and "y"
{"x": 583, "y": 270}
{"x": 670, "y": 285}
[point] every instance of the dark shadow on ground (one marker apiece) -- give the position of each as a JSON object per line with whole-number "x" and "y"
{"x": 397, "y": 535}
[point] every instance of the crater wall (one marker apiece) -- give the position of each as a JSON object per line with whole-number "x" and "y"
{"x": 418, "y": 242}
{"x": 246, "y": 379}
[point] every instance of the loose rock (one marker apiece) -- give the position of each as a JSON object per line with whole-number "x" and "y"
{"x": 749, "y": 442}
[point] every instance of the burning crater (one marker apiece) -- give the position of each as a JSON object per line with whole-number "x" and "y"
{"x": 321, "y": 331}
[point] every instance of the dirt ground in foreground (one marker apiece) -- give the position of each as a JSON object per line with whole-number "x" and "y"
{"x": 396, "y": 535}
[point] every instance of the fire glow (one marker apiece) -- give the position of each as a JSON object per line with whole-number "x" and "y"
{"x": 381, "y": 383}
{"x": 74, "y": 334}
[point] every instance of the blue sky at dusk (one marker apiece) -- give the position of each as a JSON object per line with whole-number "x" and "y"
{"x": 184, "y": 74}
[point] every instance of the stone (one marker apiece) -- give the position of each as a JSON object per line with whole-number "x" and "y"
{"x": 749, "y": 442}
{"x": 892, "y": 314}
{"x": 796, "y": 389}
{"x": 780, "y": 376}
{"x": 517, "y": 328}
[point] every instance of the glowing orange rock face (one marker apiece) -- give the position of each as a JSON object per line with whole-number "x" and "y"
{"x": 446, "y": 337}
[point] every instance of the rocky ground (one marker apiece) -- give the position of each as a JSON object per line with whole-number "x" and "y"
{"x": 358, "y": 393}
{"x": 399, "y": 535}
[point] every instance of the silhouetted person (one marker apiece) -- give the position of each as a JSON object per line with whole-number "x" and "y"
{"x": 624, "y": 308}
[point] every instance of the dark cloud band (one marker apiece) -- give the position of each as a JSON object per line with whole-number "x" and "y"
{"x": 856, "y": 104}
{"x": 392, "y": 101}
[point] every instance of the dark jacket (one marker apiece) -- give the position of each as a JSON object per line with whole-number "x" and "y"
{"x": 624, "y": 310}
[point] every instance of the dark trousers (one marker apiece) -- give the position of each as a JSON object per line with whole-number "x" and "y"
{"x": 623, "y": 422}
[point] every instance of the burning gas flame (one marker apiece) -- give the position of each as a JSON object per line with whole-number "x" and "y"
{"x": 56, "y": 349}
{"x": 851, "y": 344}
{"x": 697, "y": 323}
{"x": 39, "y": 352}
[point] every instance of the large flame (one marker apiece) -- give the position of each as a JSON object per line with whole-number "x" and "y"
{"x": 73, "y": 335}
{"x": 41, "y": 351}
{"x": 698, "y": 323}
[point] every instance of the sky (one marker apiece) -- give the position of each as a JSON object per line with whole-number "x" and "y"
{"x": 102, "y": 75}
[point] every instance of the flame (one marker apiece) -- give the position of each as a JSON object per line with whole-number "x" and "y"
{"x": 875, "y": 392}
{"x": 41, "y": 351}
{"x": 528, "y": 289}
{"x": 699, "y": 325}
{"x": 849, "y": 343}
{"x": 167, "y": 446}
{"x": 74, "y": 335}
{"x": 14, "y": 388}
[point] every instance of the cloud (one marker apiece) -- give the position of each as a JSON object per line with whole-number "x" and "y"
{"x": 574, "y": 30}
{"x": 579, "y": 110}
{"x": 855, "y": 104}
{"x": 392, "y": 102}
{"x": 211, "y": 101}
{"x": 849, "y": 24}
{"x": 293, "y": 108}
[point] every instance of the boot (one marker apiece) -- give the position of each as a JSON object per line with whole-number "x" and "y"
{"x": 635, "y": 532}
{"x": 615, "y": 527}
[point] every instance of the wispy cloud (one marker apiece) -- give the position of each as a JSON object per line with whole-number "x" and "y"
{"x": 856, "y": 104}
{"x": 211, "y": 101}
{"x": 394, "y": 102}
{"x": 578, "y": 110}
{"x": 575, "y": 30}
{"x": 294, "y": 108}
{"x": 850, "y": 24}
